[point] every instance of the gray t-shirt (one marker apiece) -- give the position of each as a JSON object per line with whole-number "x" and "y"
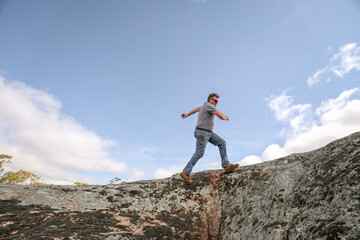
{"x": 206, "y": 116}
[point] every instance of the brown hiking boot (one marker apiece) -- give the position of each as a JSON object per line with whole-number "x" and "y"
{"x": 186, "y": 178}
{"x": 230, "y": 167}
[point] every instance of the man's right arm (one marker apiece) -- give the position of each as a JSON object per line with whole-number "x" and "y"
{"x": 190, "y": 113}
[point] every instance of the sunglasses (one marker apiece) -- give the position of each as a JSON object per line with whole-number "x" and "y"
{"x": 215, "y": 100}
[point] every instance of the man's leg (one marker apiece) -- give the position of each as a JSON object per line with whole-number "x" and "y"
{"x": 202, "y": 138}
{"x": 218, "y": 141}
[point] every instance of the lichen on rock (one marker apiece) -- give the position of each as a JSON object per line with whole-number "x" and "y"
{"x": 312, "y": 195}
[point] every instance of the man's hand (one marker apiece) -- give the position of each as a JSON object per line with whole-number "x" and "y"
{"x": 190, "y": 113}
{"x": 226, "y": 118}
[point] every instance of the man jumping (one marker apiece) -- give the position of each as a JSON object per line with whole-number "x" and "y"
{"x": 204, "y": 134}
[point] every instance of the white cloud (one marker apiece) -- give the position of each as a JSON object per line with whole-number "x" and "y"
{"x": 273, "y": 151}
{"x": 252, "y": 159}
{"x": 347, "y": 59}
{"x": 333, "y": 110}
{"x": 333, "y": 119}
{"x": 316, "y": 78}
{"x": 167, "y": 172}
{"x": 297, "y": 116}
{"x": 43, "y": 140}
{"x": 136, "y": 174}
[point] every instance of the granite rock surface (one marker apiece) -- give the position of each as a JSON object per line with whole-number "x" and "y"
{"x": 312, "y": 195}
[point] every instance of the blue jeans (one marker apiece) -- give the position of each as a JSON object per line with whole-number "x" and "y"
{"x": 202, "y": 138}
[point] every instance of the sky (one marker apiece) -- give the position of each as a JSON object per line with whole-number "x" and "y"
{"x": 91, "y": 90}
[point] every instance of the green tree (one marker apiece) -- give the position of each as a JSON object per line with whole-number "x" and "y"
{"x": 19, "y": 177}
{"x": 4, "y": 159}
{"x": 80, "y": 184}
{"x": 116, "y": 180}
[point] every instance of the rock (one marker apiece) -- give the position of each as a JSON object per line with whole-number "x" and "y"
{"x": 313, "y": 195}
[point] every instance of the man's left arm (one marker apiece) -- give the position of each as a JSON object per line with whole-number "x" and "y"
{"x": 221, "y": 115}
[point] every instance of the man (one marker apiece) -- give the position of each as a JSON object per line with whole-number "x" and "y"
{"x": 204, "y": 134}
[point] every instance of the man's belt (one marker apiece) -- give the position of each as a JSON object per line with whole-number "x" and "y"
{"x": 204, "y": 129}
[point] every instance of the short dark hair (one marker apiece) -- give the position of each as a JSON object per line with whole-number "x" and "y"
{"x": 213, "y": 95}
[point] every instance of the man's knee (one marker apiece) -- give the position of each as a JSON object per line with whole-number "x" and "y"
{"x": 199, "y": 154}
{"x": 222, "y": 143}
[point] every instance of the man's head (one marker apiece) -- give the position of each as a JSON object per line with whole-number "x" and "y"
{"x": 213, "y": 98}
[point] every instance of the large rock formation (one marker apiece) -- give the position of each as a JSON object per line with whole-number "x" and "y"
{"x": 313, "y": 195}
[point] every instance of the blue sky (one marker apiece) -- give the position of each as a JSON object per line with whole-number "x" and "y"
{"x": 90, "y": 90}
